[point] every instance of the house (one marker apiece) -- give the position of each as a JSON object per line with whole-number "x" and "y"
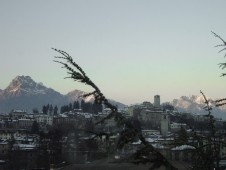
{"x": 44, "y": 119}
{"x": 24, "y": 156}
{"x": 25, "y": 123}
{"x": 18, "y": 114}
{"x": 182, "y": 153}
{"x": 175, "y": 127}
{"x": 12, "y": 133}
{"x": 152, "y": 117}
{"x": 4, "y": 149}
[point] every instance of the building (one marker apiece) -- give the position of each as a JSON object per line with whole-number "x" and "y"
{"x": 164, "y": 124}
{"x": 4, "y": 149}
{"x": 12, "y": 133}
{"x": 24, "y": 156}
{"x": 18, "y": 114}
{"x": 182, "y": 153}
{"x": 175, "y": 127}
{"x": 157, "y": 101}
{"x": 25, "y": 123}
{"x": 44, "y": 119}
{"x": 151, "y": 117}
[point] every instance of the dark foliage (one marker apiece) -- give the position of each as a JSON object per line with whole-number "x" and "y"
{"x": 168, "y": 106}
{"x": 76, "y": 105}
{"x": 35, "y": 110}
{"x": 182, "y": 136}
{"x": 207, "y": 153}
{"x": 35, "y": 128}
{"x": 55, "y": 110}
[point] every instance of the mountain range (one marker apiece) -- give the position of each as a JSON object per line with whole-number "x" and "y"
{"x": 25, "y": 94}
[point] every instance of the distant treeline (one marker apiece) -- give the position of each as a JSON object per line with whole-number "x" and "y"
{"x": 84, "y": 106}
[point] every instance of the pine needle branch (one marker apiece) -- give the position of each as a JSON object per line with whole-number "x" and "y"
{"x": 220, "y": 45}
{"x": 220, "y": 104}
{"x": 222, "y": 65}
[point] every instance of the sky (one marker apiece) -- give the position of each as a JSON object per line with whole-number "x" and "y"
{"x": 131, "y": 49}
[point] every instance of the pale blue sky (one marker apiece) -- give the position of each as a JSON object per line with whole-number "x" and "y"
{"x": 131, "y": 49}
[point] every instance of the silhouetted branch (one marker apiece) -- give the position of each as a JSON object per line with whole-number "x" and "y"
{"x": 220, "y": 100}
{"x": 222, "y": 65}
{"x": 207, "y": 107}
{"x": 221, "y": 45}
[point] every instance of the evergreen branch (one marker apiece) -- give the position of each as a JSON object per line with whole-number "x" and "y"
{"x": 109, "y": 116}
{"x": 220, "y": 100}
{"x": 88, "y": 94}
{"x": 77, "y": 76}
{"x": 224, "y": 43}
{"x": 222, "y": 65}
{"x": 222, "y": 50}
{"x": 100, "y": 134}
{"x": 69, "y": 59}
{"x": 223, "y": 74}
{"x": 220, "y": 45}
{"x": 149, "y": 155}
{"x": 126, "y": 136}
{"x": 217, "y": 105}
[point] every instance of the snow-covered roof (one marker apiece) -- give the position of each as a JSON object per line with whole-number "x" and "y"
{"x": 166, "y": 139}
{"x": 19, "y": 111}
{"x": 63, "y": 115}
{"x": 182, "y": 147}
{"x": 158, "y": 146}
{"x": 136, "y": 143}
{"x": 175, "y": 123}
{"x": 4, "y": 142}
{"x": 26, "y": 119}
{"x": 150, "y": 140}
{"x": 25, "y": 146}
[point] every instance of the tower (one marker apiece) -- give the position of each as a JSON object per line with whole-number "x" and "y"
{"x": 157, "y": 101}
{"x": 164, "y": 124}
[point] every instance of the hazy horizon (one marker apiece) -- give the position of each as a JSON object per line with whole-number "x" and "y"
{"x": 131, "y": 49}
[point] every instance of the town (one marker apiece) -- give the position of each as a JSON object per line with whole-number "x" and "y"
{"x": 52, "y": 140}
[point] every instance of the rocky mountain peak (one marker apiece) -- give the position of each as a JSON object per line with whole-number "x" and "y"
{"x": 25, "y": 85}
{"x": 20, "y": 82}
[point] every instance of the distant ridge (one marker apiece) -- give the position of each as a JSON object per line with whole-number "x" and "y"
{"x": 26, "y": 94}
{"x": 196, "y": 103}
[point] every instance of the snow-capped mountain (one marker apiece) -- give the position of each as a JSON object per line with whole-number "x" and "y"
{"x": 196, "y": 104}
{"x": 24, "y": 93}
{"x": 76, "y": 95}
{"x": 25, "y": 86}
